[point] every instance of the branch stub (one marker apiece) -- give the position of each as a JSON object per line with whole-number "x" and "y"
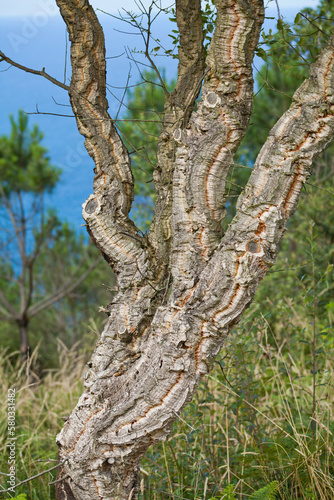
{"x": 91, "y": 206}
{"x": 253, "y": 247}
{"x": 211, "y": 100}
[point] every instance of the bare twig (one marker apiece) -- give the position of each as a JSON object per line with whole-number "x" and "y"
{"x": 60, "y": 480}
{"x": 43, "y": 73}
{"x": 65, "y": 65}
{"x": 33, "y": 477}
{"x": 313, "y": 24}
{"x": 62, "y": 291}
{"x": 124, "y": 93}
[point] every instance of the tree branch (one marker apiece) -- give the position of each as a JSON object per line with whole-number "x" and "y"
{"x": 31, "y": 478}
{"x": 191, "y": 57}
{"x": 43, "y": 73}
{"x": 9, "y": 314}
{"x": 11, "y": 215}
{"x": 107, "y": 210}
{"x": 61, "y": 292}
{"x": 178, "y": 107}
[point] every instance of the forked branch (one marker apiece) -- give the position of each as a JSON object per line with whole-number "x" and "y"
{"x": 157, "y": 345}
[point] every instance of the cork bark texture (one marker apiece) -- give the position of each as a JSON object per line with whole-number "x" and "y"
{"x": 156, "y": 346}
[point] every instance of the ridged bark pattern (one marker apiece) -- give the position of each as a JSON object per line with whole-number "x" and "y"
{"x": 161, "y": 338}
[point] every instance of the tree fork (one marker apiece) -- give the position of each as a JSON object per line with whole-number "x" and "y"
{"x": 153, "y": 351}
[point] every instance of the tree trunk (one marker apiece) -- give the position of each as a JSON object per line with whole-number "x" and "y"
{"x": 162, "y": 335}
{"x": 24, "y": 339}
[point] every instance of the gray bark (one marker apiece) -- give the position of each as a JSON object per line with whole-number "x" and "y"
{"x": 153, "y": 351}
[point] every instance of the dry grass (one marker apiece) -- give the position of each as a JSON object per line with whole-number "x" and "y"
{"x": 40, "y": 404}
{"x": 249, "y": 425}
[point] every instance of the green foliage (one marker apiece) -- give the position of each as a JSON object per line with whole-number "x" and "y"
{"x": 296, "y": 45}
{"x": 40, "y": 254}
{"x": 288, "y": 54}
{"x": 266, "y": 493}
{"x": 39, "y": 408}
{"x": 226, "y": 494}
{"x": 295, "y": 260}
{"x": 72, "y": 320}
{"x": 209, "y": 15}
{"x": 24, "y": 164}
{"x": 23, "y": 496}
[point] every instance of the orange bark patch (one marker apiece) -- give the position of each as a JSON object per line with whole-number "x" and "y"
{"x": 200, "y": 240}
{"x": 96, "y": 486}
{"x": 125, "y": 315}
{"x": 261, "y": 228}
{"x": 292, "y": 191}
{"x": 187, "y": 297}
{"x": 264, "y": 176}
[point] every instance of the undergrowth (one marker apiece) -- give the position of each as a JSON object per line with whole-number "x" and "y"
{"x": 251, "y": 425}
{"x": 260, "y": 426}
{"x": 40, "y": 405}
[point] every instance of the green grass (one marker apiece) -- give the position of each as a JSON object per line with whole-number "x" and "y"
{"x": 252, "y": 423}
{"x": 260, "y": 426}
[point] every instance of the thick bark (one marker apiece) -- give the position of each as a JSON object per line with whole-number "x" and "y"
{"x": 178, "y": 107}
{"x": 153, "y": 351}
